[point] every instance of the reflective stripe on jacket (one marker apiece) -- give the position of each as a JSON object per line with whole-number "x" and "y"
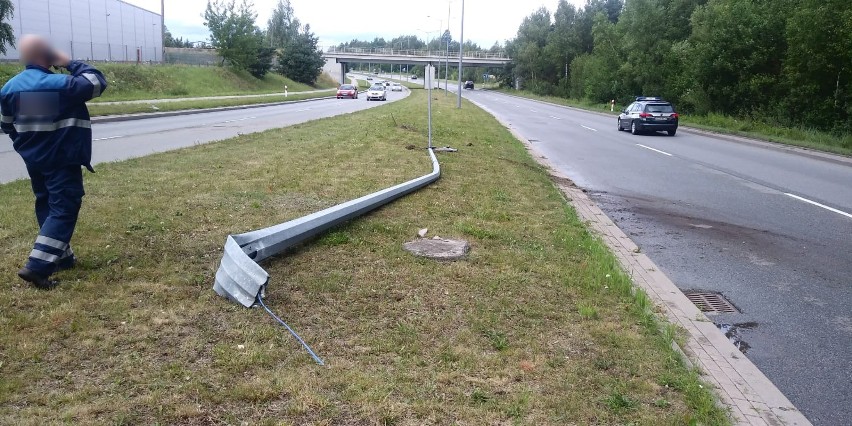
{"x": 45, "y": 114}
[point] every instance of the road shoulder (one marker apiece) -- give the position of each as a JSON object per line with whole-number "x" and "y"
{"x": 740, "y": 386}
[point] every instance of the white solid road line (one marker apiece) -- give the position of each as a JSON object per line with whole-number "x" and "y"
{"x": 588, "y": 128}
{"x": 831, "y": 209}
{"x": 106, "y": 139}
{"x": 652, "y": 149}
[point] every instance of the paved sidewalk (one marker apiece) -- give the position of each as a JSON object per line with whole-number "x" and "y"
{"x": 207, "y": 98}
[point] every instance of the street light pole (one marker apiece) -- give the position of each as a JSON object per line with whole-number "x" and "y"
{"x": 461, "y": 57}
{"x": 447, "y": 57}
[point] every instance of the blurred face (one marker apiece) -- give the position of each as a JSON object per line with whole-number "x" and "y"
{"x": 35, "y": 50}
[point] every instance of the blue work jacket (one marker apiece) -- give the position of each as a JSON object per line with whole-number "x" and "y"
{"x": 45, "y": 114}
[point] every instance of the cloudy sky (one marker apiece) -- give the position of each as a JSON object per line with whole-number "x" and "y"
{"x": 335, "y": 21}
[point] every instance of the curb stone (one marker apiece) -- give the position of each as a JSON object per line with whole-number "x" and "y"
{"x": 142, "y": 116}
{"x": 751, "y": 398}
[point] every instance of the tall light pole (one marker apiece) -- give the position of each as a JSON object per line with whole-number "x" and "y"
{"x": 447, "y": 57}
{"x": 163, "y": 30}
{"x": 461, "y": 57}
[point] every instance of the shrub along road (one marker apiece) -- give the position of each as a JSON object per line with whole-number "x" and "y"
{"x": 537, "y": 326}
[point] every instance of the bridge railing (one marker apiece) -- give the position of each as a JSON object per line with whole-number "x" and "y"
{"x": 478, "y": 54}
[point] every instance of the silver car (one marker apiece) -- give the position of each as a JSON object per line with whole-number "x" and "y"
{"x": 377, "y": 92}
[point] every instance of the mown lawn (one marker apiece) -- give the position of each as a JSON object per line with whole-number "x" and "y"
{"x": 538, "y": 326}
{"x": 132, "y": 82}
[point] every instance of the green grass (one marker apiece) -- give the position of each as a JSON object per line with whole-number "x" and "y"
{"x": 802, "y": 137}
{"x": 117, "y": 109}
{"x": 132, "y": 82}
{"x": 135, "y": 335}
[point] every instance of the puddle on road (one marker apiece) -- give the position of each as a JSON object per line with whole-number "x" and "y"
{"x": 732, "y": 332}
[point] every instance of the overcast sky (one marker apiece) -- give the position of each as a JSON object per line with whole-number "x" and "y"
{"x": 336, "y": 21}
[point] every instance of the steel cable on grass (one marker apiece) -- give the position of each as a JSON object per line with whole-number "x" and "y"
{"x": 280, "y": 321}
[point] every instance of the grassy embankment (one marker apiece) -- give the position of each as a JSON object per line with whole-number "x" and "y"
{"x": 802, "y": 137}
{"x": 538, "y": 326}
{"x": 136, "y": 82}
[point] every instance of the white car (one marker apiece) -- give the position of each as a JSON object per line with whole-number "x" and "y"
{"x": 377, "y": 92}
{"x": 396, "y": 87}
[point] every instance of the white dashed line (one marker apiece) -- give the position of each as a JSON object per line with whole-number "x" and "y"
{"x": 106, "y": 139}
{"x": 555, "y": 117}
{"x": 588, "y": 128}
{"x": 831, "y": 209}
{"x": 533, "y": 111}
{"x": 652, "y": 149}
{"x": 239, "y": 119}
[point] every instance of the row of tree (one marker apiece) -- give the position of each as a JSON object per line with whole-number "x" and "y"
{"x": 169, "y": 40}
{"x": 784, "y": 61}
{"x": 285, "y": 46}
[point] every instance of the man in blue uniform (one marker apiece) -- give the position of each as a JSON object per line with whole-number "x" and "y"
{"x": 45, "y": 114}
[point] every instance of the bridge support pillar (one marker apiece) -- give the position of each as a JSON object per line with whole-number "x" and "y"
{"x": 343, "y": 73}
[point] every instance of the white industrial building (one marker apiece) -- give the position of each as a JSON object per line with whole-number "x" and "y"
{"x": 99, "y": 30}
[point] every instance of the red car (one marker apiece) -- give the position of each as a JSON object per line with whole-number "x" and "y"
{"x": 347, "y": 91}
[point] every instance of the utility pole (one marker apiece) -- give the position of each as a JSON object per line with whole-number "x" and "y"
{"x": 163, "y": 30}
{"x": 447, "y": 64}
{"x": 461, "y": 55}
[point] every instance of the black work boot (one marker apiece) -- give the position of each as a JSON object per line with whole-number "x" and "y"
{"x": 38, "y": 281}
{"x": 68, "y": 263}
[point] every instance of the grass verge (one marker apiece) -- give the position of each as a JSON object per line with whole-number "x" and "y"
{"x": 802, "y": 137}
{"x": 538, "y": 326}
{"x": 132, "y": 82}
{"x": 118, "y": 109}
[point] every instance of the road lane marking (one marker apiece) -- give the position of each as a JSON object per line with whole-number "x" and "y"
{"x": 652, "y": 149}
{"x": 533, "y": 111}
{"x": 238, "y": 119}
{"x": 555, "y": 117}
{"x": 106, "y": 139}
{"x": 588, "y": 128}
{"x": 831, "y": 209}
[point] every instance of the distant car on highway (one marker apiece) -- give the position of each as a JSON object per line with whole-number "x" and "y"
{"x": 347, "y": 91}
{"x": 468, "y": 85}
{"x": 649, "y": 114}
{"x": 396, "y": 87}
{"x": 377, "y": 92}
{"x": 414, "y": 77}
{"x": 387, "y": 84}
{"x": 369, "y": 78}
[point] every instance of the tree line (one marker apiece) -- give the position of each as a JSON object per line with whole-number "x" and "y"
{"x": 781, "y": 61}
{"x": 285, "y": 46}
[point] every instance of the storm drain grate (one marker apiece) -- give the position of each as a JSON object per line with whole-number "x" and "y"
{"x": 711, "y": 302}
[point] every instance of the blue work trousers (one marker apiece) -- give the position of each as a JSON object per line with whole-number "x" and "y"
{"x": 58, "y": 197}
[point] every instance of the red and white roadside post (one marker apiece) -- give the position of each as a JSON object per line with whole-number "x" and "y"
{"x": 612, "y": 106}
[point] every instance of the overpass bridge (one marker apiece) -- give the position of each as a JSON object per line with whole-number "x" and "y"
{"x": 343, "y": 56}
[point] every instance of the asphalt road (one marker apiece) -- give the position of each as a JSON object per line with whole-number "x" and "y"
{"x": 770, "y": 230}
{"x": 129, "y": 139}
